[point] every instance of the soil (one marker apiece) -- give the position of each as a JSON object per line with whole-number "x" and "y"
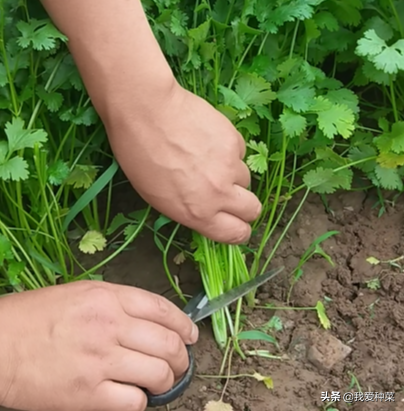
{"x": 367, "y": 323}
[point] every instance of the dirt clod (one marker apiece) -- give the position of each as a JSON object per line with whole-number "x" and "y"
{"x": 326, "y": 350}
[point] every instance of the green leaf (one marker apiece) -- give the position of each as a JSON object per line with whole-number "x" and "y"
{"x": 53, "y": 100}
{"x": 15, "y": 268}
{"x": 362, "y": 152}
{"x": 297, "y": 96}
{"x": 393, "y": 140}
{"x": 254, "y": 90}
{"x": 322, "y": 315}
{"x": 388, "y": 178}
{"x": 19, "y": 138}
{"x": 118, "y": 221}
{"x": 232, "y": 99}
{"x": 82, "y": 176}
{"x": 326, "y": 20}
{"x": 345, "y": 97}
{"x": 293, "y": 124}
{"x": 3, "y": 75}
{"x": 256, "y": 335}
{"x": 250, "y": 124}
{"x": 6, "y": 252}
{"x": 333, "y": 119}
{"x": 15, "y": 169}
{"x": 40, "y": 34}
{"x": 326, "y": 181}
{"x": 58, "y": 172}
{"x": 92, "y": 242}
{"x": 258, "y": 163}
{"x": 389, "y": 59}
{"x": 390, "y": 160}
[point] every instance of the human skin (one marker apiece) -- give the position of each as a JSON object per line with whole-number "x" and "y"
{"x": 86, "y": 346}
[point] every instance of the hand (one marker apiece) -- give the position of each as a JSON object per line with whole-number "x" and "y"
{"x": 185, "y": 159}
{"x": 79, "y": 346}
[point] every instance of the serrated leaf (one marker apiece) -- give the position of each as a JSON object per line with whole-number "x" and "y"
{"x": 92, "y": 242}
{"x": 218, "y": 406}
{"x": 58, "y": 172}
{"x": 82, "y": 176}
{"x": 322, "y": 315}
{"x": 345, "y": 97}
{"x": 20, "y": 138}
{"x": 293, "y": 124}
{"x": 389, "y": 59}
{"x": 15, "y": 169}
{"x": 373, "y": 260}
{"x": 390, "y": 160}
{"x": 254, "y": 90}
{"x": 362, "y": 152}
{"x": 6, "y": 252}
{"x": 40, "y": 34}
{"x": 179, "y": 258}
{"x": 232, "y": 99}
{"x": 258, "y": 163}
{"x": 323, "y": 180}
{"x": 393, "y": 140}
{"x": 268, "y": 381}
{"x": 118, "y": 221}
{"x": 388, "y": 178}
{"x": 333, "y": 119}
{"x": 297, "y": 96}
{"x": 250, "y": 124}
{"x": 15, "y": 268}
{"x": 53, "y": 100}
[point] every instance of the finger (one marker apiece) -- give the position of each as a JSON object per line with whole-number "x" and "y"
{"x": 112, "y": 396}
{"x": 138, "y": 303}
{"x": 242, "y": 145}
{"x": 243, "y": 204}
{"x": 133, "y": 367}
{"x": 226, "y": 228}
{"x": 243, "y": 178}
{"x": 154, "y": 340}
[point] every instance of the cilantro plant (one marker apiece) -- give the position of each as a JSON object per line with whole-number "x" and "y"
{"x": 314, "y": 86}
{"x": 52, "y": 148}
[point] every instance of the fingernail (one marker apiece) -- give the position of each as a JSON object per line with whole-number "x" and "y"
{"x": 194, "y": 334}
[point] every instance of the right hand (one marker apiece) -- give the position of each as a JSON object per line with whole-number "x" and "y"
{"x": 86, "y": 346}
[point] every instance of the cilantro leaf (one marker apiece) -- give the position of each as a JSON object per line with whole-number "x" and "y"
{"x": 254, "y": 90}
{"x": 295, "y": 95}
{"x": 91, "y": 242}
{"x": 258, "y": 163}
{"x": 326, "y": 20}
{"x": 345, "y": 97}
{"x": 362, "y": 152}
{"x": 15, "y": 169}
{"x": 333, "y": 119}
{"x": 389, "y": 59}
{"x": 390, "y": 160}
{"x": 82, "y": 176}
{"x": 250, "y": 124}
{"x": 58, "y": 172}
{"x": 293, "y": 124}
{"x": 393, "y": 140}
{"x": 388, "y": 178}
{"x": 6, "y": 252}
{"x": 41, "y": 34}
{"x": 3, "y": 75}
{"x": 326, "y": 181}
{"x": 20, "y": 138}
{"x": 232, "y": 99}
{"x": 53, "y": 100}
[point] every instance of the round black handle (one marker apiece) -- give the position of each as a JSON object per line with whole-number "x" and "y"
{"x": 177, "y": 390}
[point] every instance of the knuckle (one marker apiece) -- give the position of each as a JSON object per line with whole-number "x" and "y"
{"x": 173, "y": 344}
{"x": 138, "y": 402}
{"x": 164, "y": 376}
{"x": 240, "y": 234}
{"x": 161, "y": 306}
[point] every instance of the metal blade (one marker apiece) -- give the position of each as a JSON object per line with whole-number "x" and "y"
{"x": 207, "y": 308}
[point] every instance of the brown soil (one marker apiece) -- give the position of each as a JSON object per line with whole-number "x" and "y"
{"x": 369, "y": 321}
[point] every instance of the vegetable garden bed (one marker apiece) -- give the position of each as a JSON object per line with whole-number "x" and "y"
{"x": 316, "y": 88}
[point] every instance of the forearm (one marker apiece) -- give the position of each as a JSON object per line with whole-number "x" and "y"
{"x": 116, "y": 52}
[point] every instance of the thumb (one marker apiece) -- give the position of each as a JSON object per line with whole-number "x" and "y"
{"x": 112, "y": 396}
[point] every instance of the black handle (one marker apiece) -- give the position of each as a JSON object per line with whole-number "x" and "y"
{"x": 177, "y": 390}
